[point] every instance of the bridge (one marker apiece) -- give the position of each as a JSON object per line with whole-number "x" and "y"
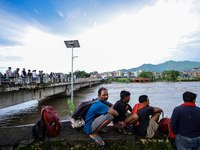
{"x": 13, "y": 94}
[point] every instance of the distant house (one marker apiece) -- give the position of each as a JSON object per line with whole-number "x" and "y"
{"x": 136, "y": 73}
{"x": 184, "y": 75}
{"x": 118, "y": 73}
{"x": 94, "y": 75}
{"x": 195, "y": 72}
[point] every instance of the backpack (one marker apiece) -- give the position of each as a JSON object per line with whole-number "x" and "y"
{"x": 48, "y": 125}
{"x": 52, "y": 120}
{"x": 165, "y": 127}
{"x": 77, "y": 120}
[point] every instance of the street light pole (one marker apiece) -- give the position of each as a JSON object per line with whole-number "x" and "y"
{"x": 72, "y": 44}
{"x": 72, "y": 77}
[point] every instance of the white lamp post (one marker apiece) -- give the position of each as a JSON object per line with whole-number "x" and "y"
{"x": 72, "y": 44}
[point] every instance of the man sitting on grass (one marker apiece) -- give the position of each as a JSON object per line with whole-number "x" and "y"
{"x": 145, "y": 126}
{"x": 122, "y": 106}
{"x": 99, "y": 115}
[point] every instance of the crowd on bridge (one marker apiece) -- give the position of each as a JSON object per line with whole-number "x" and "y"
{"x": 31, "y": 76}
{"x": 143, "y": 118}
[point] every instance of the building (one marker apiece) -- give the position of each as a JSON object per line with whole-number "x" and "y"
{"x": 94, "y": 75}
{"x": 195, "y": 72}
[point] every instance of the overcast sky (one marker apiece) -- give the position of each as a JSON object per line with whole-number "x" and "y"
{"x": 113, "y": 34}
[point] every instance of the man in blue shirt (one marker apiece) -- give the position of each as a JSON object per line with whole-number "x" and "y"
{"x": 102, "y": 113}
{"x": 185, "y": 123}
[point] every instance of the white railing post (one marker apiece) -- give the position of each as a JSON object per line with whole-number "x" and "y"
{"x": 38, "y": 80}
{"x": 17, "y": 79}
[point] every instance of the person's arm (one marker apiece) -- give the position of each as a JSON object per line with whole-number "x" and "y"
{"x": 174, "y": 121}
{"x": 7, "y": 73}
{"x": 113, "y": 112}
{"x": 157, "y": 110}
{"x": 129, "y": 107}
{"x": 110, "y": 105}
{"x": 11, "y": 74}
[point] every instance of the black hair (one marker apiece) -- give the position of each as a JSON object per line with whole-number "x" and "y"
{"x": 102, "y": 88}
{"x": 143, "y": 98}
{"x": 189, "y": 96}
{"x": 124, "y": 94}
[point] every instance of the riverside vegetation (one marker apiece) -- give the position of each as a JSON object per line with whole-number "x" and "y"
{"x": 168, "y": 76}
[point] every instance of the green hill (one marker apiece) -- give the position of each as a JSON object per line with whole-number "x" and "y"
{"x": 168, "y": 65}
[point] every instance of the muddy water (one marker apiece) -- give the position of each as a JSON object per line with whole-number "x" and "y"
{"x": 161, "y": 94}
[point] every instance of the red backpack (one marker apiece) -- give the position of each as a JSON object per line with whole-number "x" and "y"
{"x": 52, "y": 120}
{"x": 165, "y": 127}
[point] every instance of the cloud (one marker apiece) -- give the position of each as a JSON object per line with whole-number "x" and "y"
{"x": 149, "y": 36}
{"x": 61, "y": 14}
{"x": 37, "y": 12}
{"x": 154, "y": 34}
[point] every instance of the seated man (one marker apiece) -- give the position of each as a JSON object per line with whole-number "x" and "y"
{"x": 101, "y": 114}
{"x": 185, "y": 123}
{"x": 122, "y": 106}
{"x": 146, "y": 126}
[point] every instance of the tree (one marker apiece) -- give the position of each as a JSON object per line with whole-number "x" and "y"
{"x": 81, "y": 74}
{"x": 145, "y": 74}
{"x": 170, "y": 75}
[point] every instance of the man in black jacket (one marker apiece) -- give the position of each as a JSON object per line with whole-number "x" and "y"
{"x": 122, "y": 106}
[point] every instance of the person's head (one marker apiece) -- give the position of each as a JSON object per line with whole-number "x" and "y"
{"x": 125, "y": 96}
{"x": 103, "y": 94}
{"x": 144, "y": 99}
{"x": 29, "y": 70}
{"x": 189, "y": 97}
{"x": 9, "y": 68}
{"x": 17, "y": 69}
{"x": 23, "y": 69}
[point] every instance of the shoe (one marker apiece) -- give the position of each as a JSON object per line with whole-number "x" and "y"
{"x": 126, "y": 132}
{"x": 102, "y": 131}
{"x": 95, "y": 140}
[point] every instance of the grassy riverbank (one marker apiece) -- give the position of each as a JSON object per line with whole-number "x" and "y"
{"x": 138, "y": 144}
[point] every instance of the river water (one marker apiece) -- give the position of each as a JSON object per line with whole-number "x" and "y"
{"x": 165, "y": 95}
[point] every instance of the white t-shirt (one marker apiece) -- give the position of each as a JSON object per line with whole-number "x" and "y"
{"x": 34, "y": 75}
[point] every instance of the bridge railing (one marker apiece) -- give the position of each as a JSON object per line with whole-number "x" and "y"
{"x": 45, "y": 79}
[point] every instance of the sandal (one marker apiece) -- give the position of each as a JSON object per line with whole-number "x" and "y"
{"x": 125, "y": 132}
{"x": 97, "y": 139}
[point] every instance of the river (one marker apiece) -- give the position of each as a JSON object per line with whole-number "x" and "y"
{"x": 165, "y": 95}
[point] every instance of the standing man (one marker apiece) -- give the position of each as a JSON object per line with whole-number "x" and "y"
{"x": 9, "y": 72}
{"x": 146, "y": 126}
{"x": 122, "y": 106}
{"x": 41, "y": 76}
{"x": 102, "y": 114}
{"x": 23, "y": 75}
{"x": 34, "y": 74}
{"x": 185, "y": 122}
{"x": 16, "y": 73}
{"x": 29, "y": 76}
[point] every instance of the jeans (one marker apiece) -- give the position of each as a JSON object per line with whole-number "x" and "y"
{"x": 185, "y": 143}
